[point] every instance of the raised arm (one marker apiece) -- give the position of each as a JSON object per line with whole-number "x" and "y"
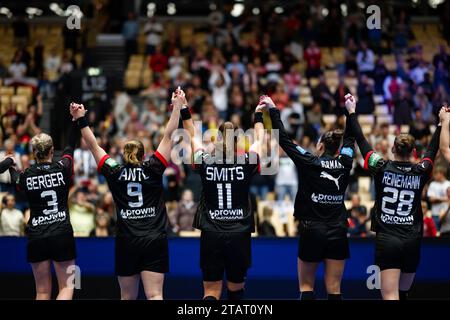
{"x": 78, "y": 113}
{"x": 258, "y": 130}
{"x": 188, "y": 123}
{"x": 6, "y": 164}
{"x": 165, "y": 146}
{"x": 355, "y": 128}
{"x": 444, "y": 143}
{"x": 297, "y": 154}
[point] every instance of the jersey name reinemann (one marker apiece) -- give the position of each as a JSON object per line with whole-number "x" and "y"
{"x": 399, "y": 192}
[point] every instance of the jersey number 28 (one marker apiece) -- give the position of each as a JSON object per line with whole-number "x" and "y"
{"x": 405, "y": 199}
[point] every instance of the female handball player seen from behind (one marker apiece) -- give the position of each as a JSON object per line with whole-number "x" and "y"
{"x": 398, "y": 216}
{"x": 319, "y": 205}
{"x": 225, "y": 215}
{"x": 141, "y": 248}
{"x": 50, "y": 235}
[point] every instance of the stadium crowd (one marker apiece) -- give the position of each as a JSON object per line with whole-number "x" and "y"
{"x": 280, "y": 54}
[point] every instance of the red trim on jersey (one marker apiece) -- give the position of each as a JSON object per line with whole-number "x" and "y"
{"x": 67, "y": 156}
{"x": 161, "y": 158}
{"x": 366, "y": 160}
{"x": 102, "y": 162}
{"x": 428, "y": 159}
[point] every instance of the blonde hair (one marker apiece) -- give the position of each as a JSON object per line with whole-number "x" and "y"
{"x": 228, "y": 143}
{"x": 133, "y": 152}
{"x": 42, "y": 144}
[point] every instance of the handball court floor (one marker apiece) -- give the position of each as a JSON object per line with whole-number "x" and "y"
{"x": 273, "y": 273}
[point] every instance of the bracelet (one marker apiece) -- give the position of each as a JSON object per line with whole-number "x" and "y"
{"x": 185, "y": 114}
{"x": 82, "y": 122}
{"x": 258, "y": 117}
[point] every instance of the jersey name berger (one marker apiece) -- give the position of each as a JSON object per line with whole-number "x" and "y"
{"x": 134, "y": 175}
{"x": 226, "y": 175}
{"x": 47, "y": 181}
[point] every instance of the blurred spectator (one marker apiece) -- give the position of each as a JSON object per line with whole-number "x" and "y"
{"x": 130, "y": 32}
{"x": 286, "y": 179}
{"x": 153, "y": 31}
{"x": 429, "y": 227}
{"x": 219, "y": 82}
{"x": 365, "y": 91}
{"x": 266, "y": 228}
{"x": 101, "y": 226}
{"x": 444, "y": 220}
{"x": 11, "y": 219}
{"x": 185, "y": 212}
{"x": 82, "y": 214}
{"x": 339, "y": 96}
{"x": 17, "y": 69}
{"x": 313, "y": 58}
{"x": 158, "y": 60}
{"x": 365, "y": 59}
{"x": 437, "y": 194}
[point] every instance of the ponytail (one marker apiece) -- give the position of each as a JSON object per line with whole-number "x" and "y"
{"x": 133, "y": 152}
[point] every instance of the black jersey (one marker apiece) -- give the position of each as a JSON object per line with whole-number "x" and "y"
{"x": 398, "y": 186}
{"x": 322, "y": 180}
{"x": 225, "y": 200}
{"x": 138, "y": 195}
{"x": 46, "y": 186}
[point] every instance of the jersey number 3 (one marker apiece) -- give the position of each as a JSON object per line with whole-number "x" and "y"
{"x": 405, "y": 199}
{"x": 53, "y": 203}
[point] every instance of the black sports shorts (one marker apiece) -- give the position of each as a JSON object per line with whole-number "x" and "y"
{"x": 319, "y": 241}
{"x": 392, "y": 252}
{"x": 57, "y": 248}
{"x": 225, "y": 252}
{"x": 136, "y": 254}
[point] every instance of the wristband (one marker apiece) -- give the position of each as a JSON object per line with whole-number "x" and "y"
{"x": 258, "y": 117}
{"x": 82, "y": 122}
{"x": 185, "y": 114}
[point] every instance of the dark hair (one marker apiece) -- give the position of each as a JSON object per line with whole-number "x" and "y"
{"x": 332, "y": 140}
{"x": 404, "y": 144}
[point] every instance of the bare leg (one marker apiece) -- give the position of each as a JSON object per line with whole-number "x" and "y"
{"x": 212, "y": 289}
{"x": 43, "y": 279}
{"x": 390, "y": 279}
{"x": 129, "y": 287}
{"x": 307, "y": 275}
{"x": 65, "y": 288}
{"x": 334, "y": 269}
{"x": 153, "y": 284}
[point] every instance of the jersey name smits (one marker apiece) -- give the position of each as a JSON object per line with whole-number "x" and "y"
{"x": 224, "y": 174}
{"x": 331, "y": 164}
{"x": 401, "y": 181}
{"x": 45, "y": 181}
{"x": 133, "y": 174}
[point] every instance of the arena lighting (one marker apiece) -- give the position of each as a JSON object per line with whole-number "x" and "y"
{"x": 171, "y": 8}
{"x": 344, "y": 9}
{"x": 435, "y": 3}
{"x": 256, "y": 11}
{"x": 212, "y": 6}
{"x": 279, "y": 10}
{"x": 5, "y": 11}
{"x": 361, "y": 4}
{"x": 151, "y": 9}
{"x": 33, "y": 11}
{"x": 325, "y": 12}
{"x": 238, "y": 9}
{"x": 93, "y": 72}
